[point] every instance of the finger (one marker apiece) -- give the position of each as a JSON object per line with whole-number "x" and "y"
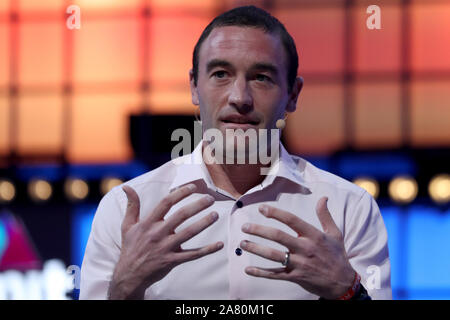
{"x": 325, "y": 218}
{"x": 193, "y": 254}
{"x": 270, "y": 273}
{"x": 133, "y": 207}
{"x": 195, "y": 228}
{"x": 188, "y": 211}
{"x": 263, "y": 251}
{"x": 271, "y": 234}
{"x": 168, "y": 201}
{"x": 292, "y": 221}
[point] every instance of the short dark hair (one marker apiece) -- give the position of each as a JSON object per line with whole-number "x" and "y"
{"x": 251, "y": 16}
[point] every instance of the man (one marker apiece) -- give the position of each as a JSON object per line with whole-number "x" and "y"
{"x": 219, "y": 230}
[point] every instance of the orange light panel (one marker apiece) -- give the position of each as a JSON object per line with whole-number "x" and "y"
{"x": 317, "y": 126}
{"x": 90, "y": 5}
{"x": 4, "y": 6}
{"x": 318, "y": 34}
{"x": 41, "y": 5}
{"x": 377, "y": 115}
{"x": 172, "y": 41}
{"x": 107, "y": 51}
{"x": 430, "y": 113}
{"x": 40, "y": 54}
{"x": 4, "y": 125}
{"x": 429, "y": 36}
{"x": 167, "y": 101}
{"x": 40, "y": 124}
{"x": 4, "y": 54}
{"x": 204, "y": 5}
{"x": 100, "y": 127}
{"x": 377, "y": 49}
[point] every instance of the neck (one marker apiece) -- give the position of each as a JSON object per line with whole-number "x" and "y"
{"x": 236, "y": 179}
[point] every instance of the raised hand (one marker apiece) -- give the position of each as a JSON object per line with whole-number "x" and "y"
{"x": 317, "y": 260}
{"x": 151, "y": 247}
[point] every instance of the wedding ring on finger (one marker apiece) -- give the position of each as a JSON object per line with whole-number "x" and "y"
{"x": 286, "y": 259}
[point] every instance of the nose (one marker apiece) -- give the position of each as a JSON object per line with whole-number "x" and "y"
{"x": 240, "y": 96}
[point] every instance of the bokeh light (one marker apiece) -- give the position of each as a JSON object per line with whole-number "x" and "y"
{"x": 40, "y": 190}
{"x": 403, "y": 189}
{"x": 76, "y": 189}
{"x": 108, "y": 183}
{"x": 7, "y": 191}
{"x": 369, "y": 184}
{"x": 439, "y": 188}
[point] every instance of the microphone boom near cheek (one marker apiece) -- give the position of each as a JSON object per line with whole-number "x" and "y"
{"x": 280, "y": 124}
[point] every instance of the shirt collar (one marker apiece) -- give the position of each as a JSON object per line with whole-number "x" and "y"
{"x": 191, "y": 167}
{"x": 285, "y": 167}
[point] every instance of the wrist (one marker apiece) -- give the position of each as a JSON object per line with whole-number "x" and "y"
{"x": 353, "y": 289}
{"x": 121, "y": 290}
{"x": 125, "y": 285}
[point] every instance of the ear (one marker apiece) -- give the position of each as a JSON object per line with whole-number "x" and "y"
{"x": 293, "y": 96}
{"x": 194, "y": 92}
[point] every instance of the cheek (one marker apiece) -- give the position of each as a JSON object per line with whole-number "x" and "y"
{"x": 272, "y": 106}
{"x": 214, "y": 94}
{"x": 210, "y": 103}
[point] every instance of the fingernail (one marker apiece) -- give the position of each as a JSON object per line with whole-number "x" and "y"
{"x": 209, "y": 199}
{"x": 244, "y": 243}
{"x": 191, "y": 186}
{"x": 246, "y": 227}
{"x": 126, "y": 194}
{"x": 214, "y": 215}
{"x": 249, "y": 269}
{"x": 220, "y": 245}
{"x": 263, "y": 209}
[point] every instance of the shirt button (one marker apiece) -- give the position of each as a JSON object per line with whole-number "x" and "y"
{"x": 238, "y": 251}
{"x": 239, "y": 204}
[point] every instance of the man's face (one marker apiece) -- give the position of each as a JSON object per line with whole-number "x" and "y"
{"x": 242, "y": 80}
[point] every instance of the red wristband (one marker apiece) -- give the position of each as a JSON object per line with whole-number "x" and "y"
{"x": 353, "y": 289}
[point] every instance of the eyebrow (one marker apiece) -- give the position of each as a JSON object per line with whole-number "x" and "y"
{"x": 214, "y": 63}
{"x": 263, "y": 66}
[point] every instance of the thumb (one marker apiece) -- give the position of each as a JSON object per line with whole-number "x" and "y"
{"x": 325, "y": 218}
{"x": 133, "y": 208}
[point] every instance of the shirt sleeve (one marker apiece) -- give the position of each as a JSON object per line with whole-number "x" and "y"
{"x": 102, "y": 250}
{"x": 366, "y": 243}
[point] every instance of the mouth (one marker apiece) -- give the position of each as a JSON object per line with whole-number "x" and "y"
{"x": 239, "y": 121}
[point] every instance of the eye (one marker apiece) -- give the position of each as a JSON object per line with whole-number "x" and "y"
{"x": 219, "y": 74}
{"x": 262, "y": 78}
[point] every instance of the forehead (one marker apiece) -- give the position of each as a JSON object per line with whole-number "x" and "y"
{"x": 242, "y": 44}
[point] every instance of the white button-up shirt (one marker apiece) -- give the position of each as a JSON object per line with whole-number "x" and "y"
{"x": 296, "y": 187}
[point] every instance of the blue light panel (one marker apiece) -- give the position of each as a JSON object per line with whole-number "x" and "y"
{"x": 392, "y": 220}
{"x": 428, "y": 253}
{"x": 82, "y": 217}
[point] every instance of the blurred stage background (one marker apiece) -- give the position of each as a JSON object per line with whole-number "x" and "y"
{"x": 375, "y": 105}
